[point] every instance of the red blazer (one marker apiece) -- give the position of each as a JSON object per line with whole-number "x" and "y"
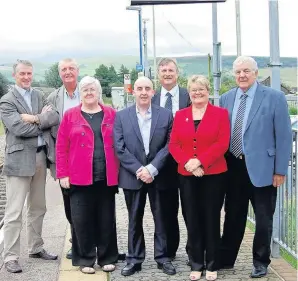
{"x": 208, "y": 143}
{"x": 75, "y": 146}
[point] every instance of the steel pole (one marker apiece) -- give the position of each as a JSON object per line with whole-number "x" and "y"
{"x": 275, "y": 84}
{"x": 140, "y": 37}
{"x": 238, "y": 27}
{"x": 154, "y": 46}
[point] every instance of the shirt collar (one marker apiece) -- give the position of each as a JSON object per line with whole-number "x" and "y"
{"x": 250, "y": 92}
{"x": 148, "y": 111}
{"x": 75, "y": 93}
{"x": 173, "y": 91}
{"x": 23, "y": 91}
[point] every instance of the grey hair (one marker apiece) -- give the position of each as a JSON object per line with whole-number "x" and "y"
{"x": 87, "y": 80}
{"x": 244, "y": 59}
{"x": 73, "y": 61}
{"x": 165, "y": 61}
{"x": 18, "y": 62}
{"x": 198, "y": 79}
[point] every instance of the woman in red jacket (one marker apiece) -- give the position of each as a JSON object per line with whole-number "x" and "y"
{"x": 200, "y": 137}
{"x": 87, "y": 165}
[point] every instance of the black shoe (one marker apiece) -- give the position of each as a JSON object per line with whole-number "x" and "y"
{"x": 121, "y": 256}
{"x": 131, "y": 268}
{"x": 43, "y": 255}
{"x": 69, "y": 254}
{"x": 167, "y": 268}
{"x": 13, "y": 266}
{"x": 258, "y": 271}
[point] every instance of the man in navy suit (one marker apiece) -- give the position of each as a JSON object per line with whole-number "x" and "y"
{"x": 141, "y": 135}
{"x": 258, "y": 160}
{"x": 174, "y": 98}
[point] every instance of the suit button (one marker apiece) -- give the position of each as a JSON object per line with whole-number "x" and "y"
{"x": 195, "y": 147}
{"x": 82, "y": 145}
{"x": 195, "y": 156}
{"x": 83, "y": 133}
{"x": 194, "y": 139}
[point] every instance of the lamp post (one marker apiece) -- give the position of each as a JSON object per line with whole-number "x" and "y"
{"x": 139, "y": 9}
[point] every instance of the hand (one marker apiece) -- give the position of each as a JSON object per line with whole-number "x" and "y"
{"x": 46, "y": 108}
{"x": 144, "y": 175}
{"x": 28, "y": 118}
{"x": 192, "y": 164}
{"x": 199, "y": 172}
{"x": 64, "y": 182}
{"x": 278, "y": 180}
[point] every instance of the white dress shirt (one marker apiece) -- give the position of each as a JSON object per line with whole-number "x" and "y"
{"x": 175, "y": 98}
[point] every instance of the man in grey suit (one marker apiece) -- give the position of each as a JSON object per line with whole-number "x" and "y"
{"x": 257, "y": 160}
{"x": 26, "y": 116}
{"x": 141, "y": 136}
{"x": 64, "y": 98}
{"x": 174, "y": 98}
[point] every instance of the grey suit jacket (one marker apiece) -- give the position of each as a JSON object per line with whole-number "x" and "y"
{"x": 184, "y": 100}
{"x": 129, "y": 145}
{"x": 268, "y": 135}
{"x": 22, "y": 137}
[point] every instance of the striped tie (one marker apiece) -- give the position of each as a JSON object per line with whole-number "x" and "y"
{"x": 168, "y": 104}
{"x": 236, "y": 143}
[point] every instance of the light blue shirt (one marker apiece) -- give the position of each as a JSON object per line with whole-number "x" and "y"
{"x": 26, "y": 94}
{"x": 70, "y": 102}
{"x": 145, "y": 127}
{"x": 250, "y": 97}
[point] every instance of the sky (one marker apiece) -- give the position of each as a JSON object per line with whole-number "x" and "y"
{"x": 89, "y": 28}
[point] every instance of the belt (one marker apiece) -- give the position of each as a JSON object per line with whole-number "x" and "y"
{"x": 40, "y": 148}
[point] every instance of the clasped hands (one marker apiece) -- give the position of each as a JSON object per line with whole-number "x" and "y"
{"x": 33, "y": 118}
{"x": 194, "y": 166}
{"x": 144, "y": 175}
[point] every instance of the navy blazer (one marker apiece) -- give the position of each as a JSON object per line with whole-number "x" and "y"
{"x": 184, "y": 100}
{"x": 268, "y": 135}
{"x": 130, "y": 149}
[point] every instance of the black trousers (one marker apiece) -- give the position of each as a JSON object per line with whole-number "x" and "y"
{"x": 66, "y": 200}
{"x": 135, "y": 203}
{"x": 263, "y": 199}
{"x": 94, "y": 224}
{"x": 201, "y": 201}
{"x": 169, "y": 199}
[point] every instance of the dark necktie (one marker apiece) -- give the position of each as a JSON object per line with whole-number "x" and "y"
{"x": 236, "y": 143}
{"x": 169, "y": 104}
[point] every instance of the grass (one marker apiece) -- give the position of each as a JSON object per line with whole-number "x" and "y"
{"x": 283, "y": 253}
{"x": 1, "y": 129}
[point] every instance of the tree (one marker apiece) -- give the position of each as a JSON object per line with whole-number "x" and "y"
{"x": 133, "y": 76}
{"x": 113, "y": 76}
{"x": 3, "y": 85}
{"x": 52, "y": 76}
{"x": 102, "y": 74}
{"x": 123, "y": 70}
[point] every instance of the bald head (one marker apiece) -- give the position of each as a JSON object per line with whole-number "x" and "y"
{"x": 143, "y": 92}
{"x": 143, "y": 80}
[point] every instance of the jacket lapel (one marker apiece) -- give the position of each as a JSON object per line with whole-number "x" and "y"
{"x": 182, "y": 99}
{"x": 60, "y": 101}
{"x": 134, "y": 121}
{"x": 156, "y": 99}
{"x": 21, "y": 101}
{"x": 154, "y": 118}
{"x": 231, "y": 101}
{"x": 34, "y": 102}
{"x": 259, "y": 95}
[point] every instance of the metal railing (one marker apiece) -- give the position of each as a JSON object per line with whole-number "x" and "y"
{"x": 285, "y": 217}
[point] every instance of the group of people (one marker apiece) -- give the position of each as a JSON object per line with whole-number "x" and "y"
{"x": 170, "y": 142}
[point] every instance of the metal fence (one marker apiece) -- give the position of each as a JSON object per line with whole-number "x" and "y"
{"x": 285, "y": 217}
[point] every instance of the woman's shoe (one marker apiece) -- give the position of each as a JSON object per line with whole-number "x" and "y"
{"x": 108, "y": 267}
{"x": 195, "y": 275}
{"x": 211, "y": 275}
{"x": 87, "y": 270}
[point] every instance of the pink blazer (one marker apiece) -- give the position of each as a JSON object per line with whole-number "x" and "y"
{"x": 75, "y": 146}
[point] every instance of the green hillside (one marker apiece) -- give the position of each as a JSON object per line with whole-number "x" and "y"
{"x": 187, "y": 65}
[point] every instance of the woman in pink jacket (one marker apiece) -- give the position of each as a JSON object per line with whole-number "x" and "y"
{"x": 87, "y": 165}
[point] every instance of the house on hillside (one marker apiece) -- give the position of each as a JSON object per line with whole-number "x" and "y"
{"x": 286, "y": 89}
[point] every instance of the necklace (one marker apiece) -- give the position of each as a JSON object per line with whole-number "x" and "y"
{"x": 91, "y": 115}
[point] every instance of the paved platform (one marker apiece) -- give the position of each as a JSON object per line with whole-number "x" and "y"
{"x": 56, "y": 235}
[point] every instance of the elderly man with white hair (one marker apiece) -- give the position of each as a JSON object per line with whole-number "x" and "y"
{"x": 258, "y": 157}
{"x": 87, "y": 167}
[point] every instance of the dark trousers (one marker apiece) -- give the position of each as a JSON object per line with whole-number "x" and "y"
{"x": 263, "y": 199}
{"x": 66, "y": 200}
{"x": 169, "y": 199}
{"x": 201, "y": 201}
{"x": 94, "y": 224}
{"x": 135, "y": 203}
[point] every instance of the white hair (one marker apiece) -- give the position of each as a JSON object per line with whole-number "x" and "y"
{"x": 73, "y": 61}
{"x": 87, "y": 80}
{"x": 244, "y": 59}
